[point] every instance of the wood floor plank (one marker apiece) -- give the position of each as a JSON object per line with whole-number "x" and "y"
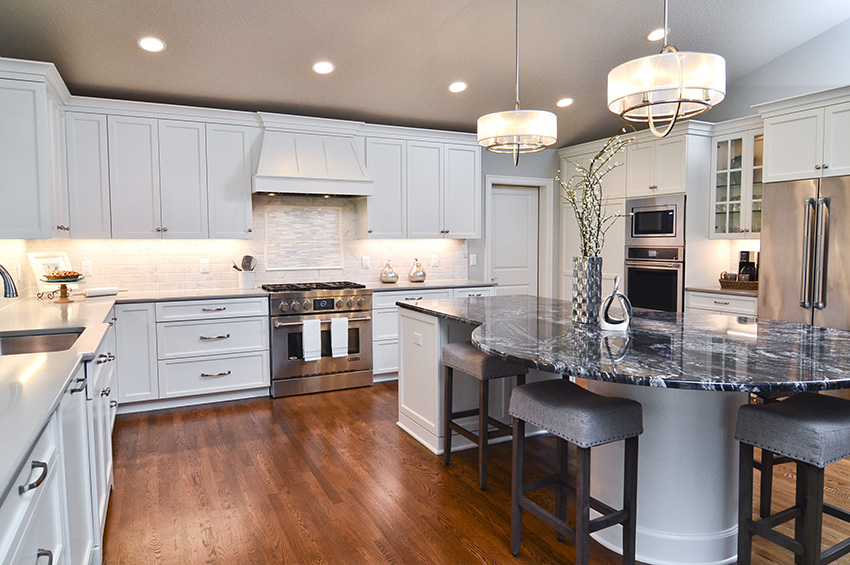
{"x": 331, "y": 479}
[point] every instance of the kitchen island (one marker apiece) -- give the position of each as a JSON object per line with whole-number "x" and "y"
{"x": 693, "y": 372}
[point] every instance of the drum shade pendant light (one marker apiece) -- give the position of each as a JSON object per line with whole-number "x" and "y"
{"x": 517, "y": 131}
{"x": 667, "y": 87}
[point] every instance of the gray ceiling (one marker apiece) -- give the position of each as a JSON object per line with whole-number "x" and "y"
{"x": 394, "y": 58}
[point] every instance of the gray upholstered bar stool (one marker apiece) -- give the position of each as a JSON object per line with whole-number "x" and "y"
{"x": 464, "y": 357}
{"x": 586, "y": 420}
{"x": 814, "y": 431}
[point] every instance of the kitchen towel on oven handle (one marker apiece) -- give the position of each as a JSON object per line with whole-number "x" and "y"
{"x": 339, "y": 337}
{"x": 311, "y": 339}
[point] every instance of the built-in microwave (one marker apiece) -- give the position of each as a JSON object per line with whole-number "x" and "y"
{"x": 656, "y": 221}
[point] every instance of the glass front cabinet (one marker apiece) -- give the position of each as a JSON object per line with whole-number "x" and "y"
{"x": 737, "y": 162}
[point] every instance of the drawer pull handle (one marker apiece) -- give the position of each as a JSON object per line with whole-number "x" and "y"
{"x": 113, "y": 403}
{"x": 81, "y": 385}
{"x": 414, "y": 298}
{"x": 214, "y": 337}
{"x": 44, "y": 553}
{"x": 474, "y": 294}
{"x": 37, "y": 483}
{"x": 106, "y": 391}
{"x": 219, "y": 309}
{"x": 278, "y": 325}
{"x": 215, "y": 375}
{"x": 722, "y": 302}
{"x": 105, "y": 358}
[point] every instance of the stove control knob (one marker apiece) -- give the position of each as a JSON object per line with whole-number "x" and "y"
{"x": 360, "y": 302}
{"x": 349, "y": 302}
{"x": 295, "y": 306}
{"x": 284, "y": 307}
{"x": 339, "y": 303}
{"x": 306, "y": 305}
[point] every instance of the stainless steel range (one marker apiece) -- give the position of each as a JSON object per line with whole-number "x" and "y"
{"x": 291, "y": 306}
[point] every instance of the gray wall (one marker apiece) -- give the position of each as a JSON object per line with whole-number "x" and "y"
{"x": 819, "y": 64}
{"x": 534, "y": 165}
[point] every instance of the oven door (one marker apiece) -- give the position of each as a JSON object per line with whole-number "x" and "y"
{"x": 655, "y": 285}
{"x": 287, "y": 351}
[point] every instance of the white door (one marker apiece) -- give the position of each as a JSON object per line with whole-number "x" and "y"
{"x": 88, "y": 175}
{"x": 231, "y": 158}
{"x": 424, "y": 189}
{"x": 514, "y": 239}
{"x": 134, "y": 177}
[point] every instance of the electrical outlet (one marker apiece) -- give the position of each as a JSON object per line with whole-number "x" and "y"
{"x": 364, "y": 262}
{"x": 205, "y": 266}
{"x": 86, "y": 268}
{"x": 19, "y": 273}
{"x": 435, "y": 260}
{"x": 473, "y": 259}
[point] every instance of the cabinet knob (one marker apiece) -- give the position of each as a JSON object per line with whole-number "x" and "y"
{"x": 825, "y": 166}
{"x": 250, "y": 230}
{"x": 817, "y": 167}
{"x": 164, "y": 229}
{"x": 113, "y": 403}
{"x": 106, "y": 392}
{"x": 159, "y": 229}
{"x": 369, "y": 231}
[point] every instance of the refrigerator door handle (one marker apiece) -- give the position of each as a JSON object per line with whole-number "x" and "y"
{"x": 806, "y": 282}
{"x": 822, "y": 252}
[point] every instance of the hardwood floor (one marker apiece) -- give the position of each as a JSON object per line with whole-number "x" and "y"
{"x": 330, "y": 478}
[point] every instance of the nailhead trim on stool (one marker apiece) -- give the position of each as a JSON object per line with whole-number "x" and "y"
{"x": 814, "y": 431}
{"x": 464, "y": 357}
{"x": 585, "y": 419}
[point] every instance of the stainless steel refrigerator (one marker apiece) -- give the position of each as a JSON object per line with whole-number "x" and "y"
{"x": 804, "y": 275}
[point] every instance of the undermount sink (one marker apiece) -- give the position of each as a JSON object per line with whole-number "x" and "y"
{"x": 16, "y": 343}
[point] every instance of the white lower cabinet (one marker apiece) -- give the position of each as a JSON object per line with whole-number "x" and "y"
{"x": 192, "y": 348}
{"x": 732, "y": 304}
{"x": 385, "y": 320}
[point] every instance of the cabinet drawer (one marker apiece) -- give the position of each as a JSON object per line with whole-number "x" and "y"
{"x": 16, "y": 507}
{"x": 186, "y": 339}
{"x": 473, "y": 292}
{"x": 385, "y": 323}
{"x": 211, "y": 309}
{"x": 385, "y": 356}
{"x": 722, "y": 303}
{"x": 214, "y": 374}
{"x": 388, "y": 299}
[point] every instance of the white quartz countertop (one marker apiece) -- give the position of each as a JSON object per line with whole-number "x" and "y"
{"x": 32, "y": 385}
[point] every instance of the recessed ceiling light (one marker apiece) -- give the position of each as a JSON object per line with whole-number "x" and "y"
{"x": 564, "y": 102}
{"x": 323, "y": 67}
{"x": 459, "y": 86}
{"x": 151, "y": 44}
{"x": 655, "y": 35}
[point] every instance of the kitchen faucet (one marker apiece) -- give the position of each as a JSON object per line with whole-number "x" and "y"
{"x": 9, "y": 290}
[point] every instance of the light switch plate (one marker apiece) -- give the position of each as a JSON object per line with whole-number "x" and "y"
{"x": 473, "y": 259}
{"x": 205, "y": 266}
{"x": 435, "y": 260}
{"x": 86, "y": 267}
{"x": 364, "y": 262}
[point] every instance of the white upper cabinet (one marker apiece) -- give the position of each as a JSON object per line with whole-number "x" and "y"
{"x": 424, "y": 189}
{"x": 60, "y": 210}
{"x": 462, "y": 202}
{"x": 24, "y": 160}
{"x": 737, "y": 167}
{"x": 656, "y": 167}
{"x": 183, "y": 179}
{"x": 88, "y": 176}
{"x": 231, "y": 155}
{"x": 134, "y": 177}
{"x": 811, "y": 142}
{"x": 385, "y": 212}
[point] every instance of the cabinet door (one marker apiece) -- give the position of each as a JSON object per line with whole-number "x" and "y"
{"x": 24, "y": 161}
{"x": 60, "y": 215}
{"x": 640, "y": 167}
{"x": 836, "y": 147}
{"x": 134, "y": 177}
{"x": 183, "y": 179}
{"x": 231, "y": 155}
{"x": 670, "y": 166}
{"x": 462, "y": 202}
{"x": 386, "y": 209}
{"x": 135, "y": 334}
{"x": 424, "y": 189}
{"x": 88, "y": 176}
{"x": 793, "y": 146}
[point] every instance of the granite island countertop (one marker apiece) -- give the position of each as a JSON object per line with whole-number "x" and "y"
{"x": 696, "y": 350}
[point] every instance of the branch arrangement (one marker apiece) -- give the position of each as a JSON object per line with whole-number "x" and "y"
{"x": 583, "y": 191}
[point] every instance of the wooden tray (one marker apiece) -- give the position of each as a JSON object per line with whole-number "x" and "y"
{"x": 739, "y": 285}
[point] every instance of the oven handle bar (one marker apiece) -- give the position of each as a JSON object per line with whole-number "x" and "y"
{"x": 284, "y": 324}
{"x": 667, "y": 265}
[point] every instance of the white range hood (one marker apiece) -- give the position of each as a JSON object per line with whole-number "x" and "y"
{"x": 305, "y": 163}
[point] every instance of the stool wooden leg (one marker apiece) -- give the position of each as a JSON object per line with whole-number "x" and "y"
{"x": 745, "y": 503}
{"x": 447, "y": 430}
{"x": 583, "y": 506}
{"x": 766, "y": 483}
{"x": 517, "y": 478}
{"x": 561, "y": 492}
{"x": 800, "y": 501}
{"x": 630, "y": 470}
{"x": 813, "y": 515}
{"x": 483, "y": 413}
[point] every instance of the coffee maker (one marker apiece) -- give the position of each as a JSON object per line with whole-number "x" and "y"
{"x": 748, "y": 266}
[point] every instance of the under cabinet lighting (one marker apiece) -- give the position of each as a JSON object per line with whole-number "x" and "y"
{"x": 323, "y": 67}
{"x": 151, "y": 44}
